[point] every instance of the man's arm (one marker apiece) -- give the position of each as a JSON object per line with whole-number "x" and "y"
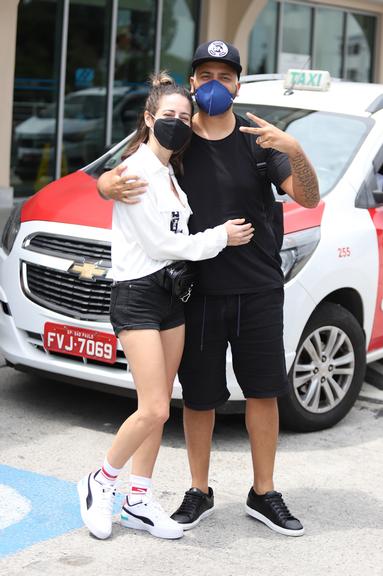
{"x": 111, "y": 185}
{"x": 302, "y": 185}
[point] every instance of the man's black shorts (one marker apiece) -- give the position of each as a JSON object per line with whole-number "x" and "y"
{"x": 253, "y": 325}
{"x": 142, "y": 304}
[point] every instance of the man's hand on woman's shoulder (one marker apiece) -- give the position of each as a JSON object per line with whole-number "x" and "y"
{"x": 118, "y": 184}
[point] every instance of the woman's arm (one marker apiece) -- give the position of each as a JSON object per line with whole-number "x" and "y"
{"x": 160, "y": 243}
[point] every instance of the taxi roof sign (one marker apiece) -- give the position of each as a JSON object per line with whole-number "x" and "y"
{"x": 297, "y": 79}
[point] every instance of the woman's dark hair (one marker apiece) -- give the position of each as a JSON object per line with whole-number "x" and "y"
{"x": 161, "y": 85}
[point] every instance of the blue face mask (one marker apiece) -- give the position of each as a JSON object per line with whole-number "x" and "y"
{"x": 213, "y": 98}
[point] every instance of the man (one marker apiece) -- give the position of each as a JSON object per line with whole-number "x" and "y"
{"x": 240, "y": 292}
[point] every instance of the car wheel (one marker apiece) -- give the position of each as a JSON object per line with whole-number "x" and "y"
{"x": 327, "y": 373}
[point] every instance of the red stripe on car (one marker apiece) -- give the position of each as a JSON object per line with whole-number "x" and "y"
{"x": 297, "y": 217}
{"x": 71, "y": 200}
{"x": 376, "y": 340}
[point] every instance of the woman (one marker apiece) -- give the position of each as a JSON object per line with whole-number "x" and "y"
{"x": 148, "y": 319}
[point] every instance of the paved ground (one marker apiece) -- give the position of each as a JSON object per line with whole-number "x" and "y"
{"x": 51, "y": 434}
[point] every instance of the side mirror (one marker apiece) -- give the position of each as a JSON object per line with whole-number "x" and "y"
{"x": 378, "y": 196}
{"x": 369, "y": 195}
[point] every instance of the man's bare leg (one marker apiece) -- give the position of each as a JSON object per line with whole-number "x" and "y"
{"x": 198, "y": 502}
{"x": 198, "y": 427}
{"x": 262, "y": 425}
{"x": 263, "y": 503}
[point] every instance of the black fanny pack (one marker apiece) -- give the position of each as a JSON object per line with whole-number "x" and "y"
{"x": 179, "y": 278}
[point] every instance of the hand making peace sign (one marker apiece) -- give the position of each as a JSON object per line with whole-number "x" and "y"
{"x": 269, "y": 136}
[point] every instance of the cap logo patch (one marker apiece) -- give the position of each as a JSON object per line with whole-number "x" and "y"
{"x": 218, "y": 49}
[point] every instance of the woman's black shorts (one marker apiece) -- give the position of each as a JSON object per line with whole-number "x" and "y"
{"x": 253, "y": 325}
{"x": 143, "y": 304}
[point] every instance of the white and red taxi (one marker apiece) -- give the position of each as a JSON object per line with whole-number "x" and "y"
{"x": 55, "y": 259}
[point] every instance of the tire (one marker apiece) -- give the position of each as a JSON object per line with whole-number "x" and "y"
{"x": 323, "y": 388}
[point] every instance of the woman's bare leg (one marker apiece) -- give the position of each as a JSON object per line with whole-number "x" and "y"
{"x": 145, "y": 457}
{"x": 151, "y": 382}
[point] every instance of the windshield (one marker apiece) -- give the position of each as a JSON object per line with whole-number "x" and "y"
{"x": 329, "y": 140}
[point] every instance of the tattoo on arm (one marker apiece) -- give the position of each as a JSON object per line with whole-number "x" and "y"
{"x": 304, "y": 176}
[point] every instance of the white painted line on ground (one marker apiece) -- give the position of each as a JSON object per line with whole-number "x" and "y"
{"x": 13, "y": 506}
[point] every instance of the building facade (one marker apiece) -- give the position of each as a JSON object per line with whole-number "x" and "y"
{"x": 75, "y": 71}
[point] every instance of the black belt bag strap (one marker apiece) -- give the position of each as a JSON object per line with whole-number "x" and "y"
{"x": 179, "y": 278}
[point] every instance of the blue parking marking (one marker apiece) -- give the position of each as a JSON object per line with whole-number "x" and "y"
{"x": 34, "y": 508}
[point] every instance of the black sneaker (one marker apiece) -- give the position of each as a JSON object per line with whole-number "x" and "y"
{"x": 272, "y": 511}
{"x": 195, "y": 506}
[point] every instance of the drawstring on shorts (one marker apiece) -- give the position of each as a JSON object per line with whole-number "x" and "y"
{"x": 239, "y": 315}
{"x": 203, "y": 322}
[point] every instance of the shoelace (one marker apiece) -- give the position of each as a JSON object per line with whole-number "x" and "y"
{"x": 189, "y": 503}
{"x": 155, "y": 506}
{"x": 106, "y": 500}
{"x": 278, "y": 505}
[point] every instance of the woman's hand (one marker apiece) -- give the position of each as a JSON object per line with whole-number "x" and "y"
{"x": 238, "y": 233}
{"x": 117, "y": 184}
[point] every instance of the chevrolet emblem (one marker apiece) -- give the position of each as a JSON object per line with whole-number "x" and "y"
{"x": 88, "y": 270}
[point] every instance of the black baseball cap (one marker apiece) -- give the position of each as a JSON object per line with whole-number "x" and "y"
{"x": 217, "y": 50}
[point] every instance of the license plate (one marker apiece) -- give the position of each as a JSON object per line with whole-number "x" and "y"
{"x": 81, "y": 342}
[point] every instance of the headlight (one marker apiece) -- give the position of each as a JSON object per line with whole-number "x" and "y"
{"x": 11, "y": 228}
{"x": 296, "y": 250}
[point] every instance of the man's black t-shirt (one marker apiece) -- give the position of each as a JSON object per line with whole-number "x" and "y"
{"x": 222, "y": 182}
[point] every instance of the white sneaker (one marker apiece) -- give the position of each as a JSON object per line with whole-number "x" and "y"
{"x": 150, "y": 516}
{"x": 96, "y": 504}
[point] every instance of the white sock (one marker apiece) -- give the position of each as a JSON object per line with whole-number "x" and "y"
{"x": 139, "y": 485}
{"x": 108, "y": 474}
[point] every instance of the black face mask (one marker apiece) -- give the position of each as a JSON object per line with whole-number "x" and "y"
{"x": 172, "y": 133}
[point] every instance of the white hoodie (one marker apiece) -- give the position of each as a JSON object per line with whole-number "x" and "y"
{"x": 153, "y": 233}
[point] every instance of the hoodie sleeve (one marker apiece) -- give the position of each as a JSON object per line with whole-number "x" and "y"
{"x": 147, "y": 227}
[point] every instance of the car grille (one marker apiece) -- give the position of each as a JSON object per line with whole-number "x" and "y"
{"x": 62, "y": 292}
{"x": 69, "y": 247}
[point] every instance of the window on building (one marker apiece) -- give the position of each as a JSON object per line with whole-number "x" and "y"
{"x": 85, "y": 84}
{"x": 35, "y": 90}
{"x": 296, "y": 37}
{"x": 134, "y": 62}
{"x": 179, "y": 28}
{"x": 328, "y": 41}
{"x": 103, "y": 96}
{"x": 263, "y": 41}
{"x": 135, "y": 41}
{"x": 308, "y": 35}
{"x": 359, "y": 58}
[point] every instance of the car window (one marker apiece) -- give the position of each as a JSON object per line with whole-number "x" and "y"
{"x": 109, "y": 160}
{"x": 329, "y": 140}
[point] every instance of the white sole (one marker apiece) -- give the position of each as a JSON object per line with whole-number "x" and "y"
{"x": 82, "y": 489}
{"x": 135, "y": 524}
{"x": 196, "y": 522}
{"x": 271, "y": 524}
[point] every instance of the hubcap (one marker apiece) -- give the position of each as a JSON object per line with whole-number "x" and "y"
{"x": 323, "y": 369}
